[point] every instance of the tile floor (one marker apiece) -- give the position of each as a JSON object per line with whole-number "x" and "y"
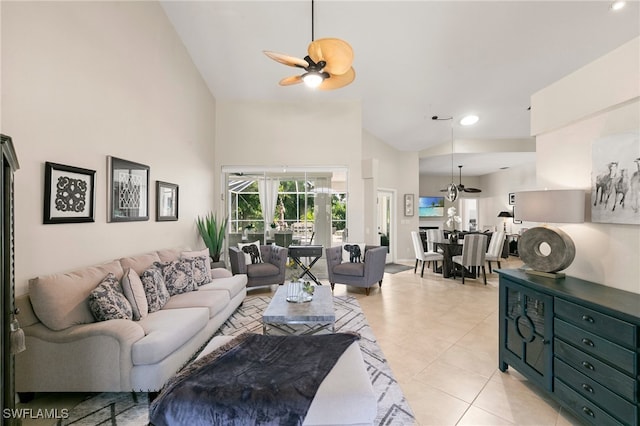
{"x": 441, "y": 340}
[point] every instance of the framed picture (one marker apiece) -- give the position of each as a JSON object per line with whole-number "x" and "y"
{"x": 512, "y": 198}
{"x": 166, "y": 201}
{"x": 409, "y": 204}
{"x": 128, "y": 190}
{"x": 69, "y": 194}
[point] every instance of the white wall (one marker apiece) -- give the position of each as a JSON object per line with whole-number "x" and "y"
{"x": 605, "y": 253}
{"x": 396, "y": 170}
{"x": 294, "y": 134}
{"x": 84, "y": 80}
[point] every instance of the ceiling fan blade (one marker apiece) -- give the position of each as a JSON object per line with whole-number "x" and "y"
{"x": 337, "y": 81}
{"x": 292, "y": 61}
{"x": 288, "y": 81}
{"x": 337, "y": 53}
{"x": 475, "y": 190}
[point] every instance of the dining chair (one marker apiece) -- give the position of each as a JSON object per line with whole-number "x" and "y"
{"x": 434, "y": 236}
{"x": 424, "y": 256}
{"x": 494, "y": 252}
{"x": 474, "y": 248}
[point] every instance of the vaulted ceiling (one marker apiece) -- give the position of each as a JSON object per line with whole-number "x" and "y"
{"x": 413, "y": 60}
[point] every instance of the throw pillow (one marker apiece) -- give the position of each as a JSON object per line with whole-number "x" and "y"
{"x": 251, "y": 252}
{"x": 201, "y": 265}
{"x": 154, "y": 289}
{"x": 107, "y": 301}
{"x": 134, "y": 292}
{"x": 178, "y": 276}
{"x": 353, "y": 252}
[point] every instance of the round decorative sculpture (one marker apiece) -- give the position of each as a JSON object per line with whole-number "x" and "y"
{"x": 561, "y": 250}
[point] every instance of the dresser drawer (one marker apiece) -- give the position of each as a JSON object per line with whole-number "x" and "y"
{"x": 602, "y": 373}
{"x": 603, "y": 325}
{"x": 622, "y": 409}
{"x": 582, "y": 407}
{"x": 601, "y": 348}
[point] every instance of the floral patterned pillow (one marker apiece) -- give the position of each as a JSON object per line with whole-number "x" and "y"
{"x": 154, "y": 288}
{"x": 178, "y": 276}
{"x": 107, "y": 301}
{"x": 200, "y": 263}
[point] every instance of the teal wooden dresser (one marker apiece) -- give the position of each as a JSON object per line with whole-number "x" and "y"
{"x": 577, "y": 340}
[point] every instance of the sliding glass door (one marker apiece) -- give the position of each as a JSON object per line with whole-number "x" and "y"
{"x": 286, "y": 205}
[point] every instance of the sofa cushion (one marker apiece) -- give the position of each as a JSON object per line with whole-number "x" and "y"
{"x": 262, "y": 270}
{"x": 139, "y": 263}
{"x": 154, "y": 289}
{"x": 165, "y": 332}
{"x": 232, "y": 285}
{"x": 215, "y": 301}
{"x": 107, "y": 301}
{"x": 178, "y": 276}
{"x": 201, "y": 264}
{"x": 348, "y": 268}
{"x": 220, "y": 273}
{"x": 134, "y": 291}
{"x": 169, "y": 255}
{"x": 251, "y": 252}
{"x": 61, "y": 300}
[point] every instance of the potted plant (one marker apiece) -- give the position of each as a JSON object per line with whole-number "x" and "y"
{"x": 212, "y": 232}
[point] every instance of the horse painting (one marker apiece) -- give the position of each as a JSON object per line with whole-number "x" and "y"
{"x": 605, "y": 184}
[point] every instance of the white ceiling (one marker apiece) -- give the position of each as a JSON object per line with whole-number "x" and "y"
{"x": 413, "y": 60}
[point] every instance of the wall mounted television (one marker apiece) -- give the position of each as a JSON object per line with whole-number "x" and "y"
{"x": 431, "y": 206}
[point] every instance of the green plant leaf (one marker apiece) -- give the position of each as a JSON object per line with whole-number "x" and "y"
{"x": 212, "y": 233}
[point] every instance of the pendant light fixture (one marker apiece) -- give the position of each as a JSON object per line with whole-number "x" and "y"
{"x": 451, "y": 192}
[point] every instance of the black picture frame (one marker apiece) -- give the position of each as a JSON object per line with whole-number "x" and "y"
{"x": 167, "y": 198}
{"x": 127, "y": 190}
{"x": 69, "y": 194}
{"x": 512, "y": 198}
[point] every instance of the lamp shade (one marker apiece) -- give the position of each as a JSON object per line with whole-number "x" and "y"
{"x": 553, "y": 206}
{"x": 505, "y": 214}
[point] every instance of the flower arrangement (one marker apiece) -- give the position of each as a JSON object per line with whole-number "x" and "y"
{"x": 453, "y": 218}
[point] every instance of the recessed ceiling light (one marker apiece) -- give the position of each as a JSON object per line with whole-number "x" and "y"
{"x": 617, "y": 5}
{"x": 469, "y": 120}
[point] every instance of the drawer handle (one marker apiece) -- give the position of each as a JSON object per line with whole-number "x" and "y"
{"x": 587, "y": 318}
{"x": 587, "y": 388}
{"x": 587, "y": 365}
{"x": 588, "y": 412}
{"x": 587, "y": 342}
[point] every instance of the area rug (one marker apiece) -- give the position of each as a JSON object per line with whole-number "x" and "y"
{"x": 394, "y": 268}
{"x": 132, "y": 409}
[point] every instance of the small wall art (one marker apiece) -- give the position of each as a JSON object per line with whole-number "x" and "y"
{"x": 409, "y": 204}
{"x": 69, "y": 194}
{"x": 128, "y": 190}
{"x": 166, "y": 201}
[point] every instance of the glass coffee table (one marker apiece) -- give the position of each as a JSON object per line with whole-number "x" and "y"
{"x": 304, "y": 318}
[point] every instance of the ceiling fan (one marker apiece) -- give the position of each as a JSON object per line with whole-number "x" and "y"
{"x": 327, "y": 64}
{"x": 460, "y": 186}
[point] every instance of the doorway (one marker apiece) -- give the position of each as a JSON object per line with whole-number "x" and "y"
{"x": 385, "y": 217}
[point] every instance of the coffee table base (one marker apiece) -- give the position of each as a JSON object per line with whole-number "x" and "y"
{"x": 291, "y": 329}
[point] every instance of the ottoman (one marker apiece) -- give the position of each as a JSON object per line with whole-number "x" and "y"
{"x": 345, "y": 396}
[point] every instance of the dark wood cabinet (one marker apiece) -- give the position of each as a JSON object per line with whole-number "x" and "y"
{"x": 578, "y": 340}
{"x": 7, "y": 299}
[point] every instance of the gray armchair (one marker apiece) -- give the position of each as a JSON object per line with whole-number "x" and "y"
{"x": 271, "y": 271}
{"x": 364, "y": 274}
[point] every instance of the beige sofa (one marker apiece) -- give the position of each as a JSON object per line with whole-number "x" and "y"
{"x": 68, "y": 351}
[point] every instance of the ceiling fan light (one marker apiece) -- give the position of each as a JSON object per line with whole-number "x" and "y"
{"x": 617, "y": 5}
{"x": 469, "y": 120}
{"x": 312, "y": 79}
